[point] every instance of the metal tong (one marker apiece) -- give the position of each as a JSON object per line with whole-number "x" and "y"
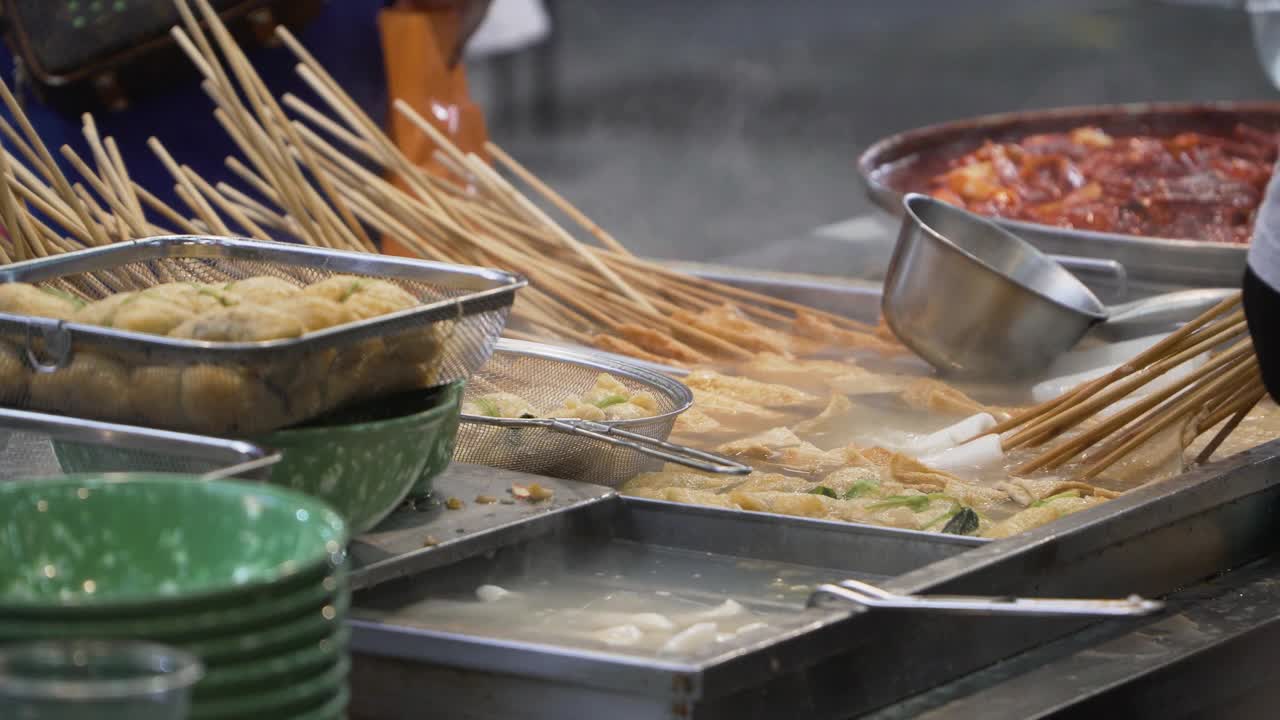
{"x": 873, "y": 598}
{"x": 661, "y": 449}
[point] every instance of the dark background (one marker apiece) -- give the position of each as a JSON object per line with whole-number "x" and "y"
{"x": 706, "y": 129}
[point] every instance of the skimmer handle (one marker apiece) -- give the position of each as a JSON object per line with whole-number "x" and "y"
{"x": 874, "y": 598}
{"x": 661, "y": 449}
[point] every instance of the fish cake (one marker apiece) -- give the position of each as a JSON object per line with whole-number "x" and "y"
{"x": 364, "y": 297}
{"x": 102, "y": 312}
{"x": 766, "y": 395}
{"x": 315, "y": 313}
{"x": 223, "y": 400}
{"x": 145, "y": 314}
{"x": 24, "y": 299}
{"x": 157, "y": 396}
{"x": 264, "y": 290}
{"x": 196, "y": 298}
{"x": 92, "y": 385}
{"x": 240, "y": 323}
{"x": 15, "y": 376}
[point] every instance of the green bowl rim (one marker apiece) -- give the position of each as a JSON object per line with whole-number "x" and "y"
{"x": 277, "y": 610}
{"x": 252, "y": 704}
{"x": 332, "y": 708}
{"x": 283, "y": 635}
{"x": 315, "y": 507}
{"x": 301, "y": 433}
{"x": 305, "y": 656}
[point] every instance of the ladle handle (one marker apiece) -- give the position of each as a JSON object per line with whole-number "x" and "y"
{"x": 1159, "y": 312}
{"x": 661, "y": 449}
{"x": 874, "y": 598}
{"x": 1112, "y": 270}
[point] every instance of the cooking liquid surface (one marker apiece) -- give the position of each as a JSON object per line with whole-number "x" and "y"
{"x": 614, "y": 596}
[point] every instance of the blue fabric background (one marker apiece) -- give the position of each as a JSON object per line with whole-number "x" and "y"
{"x": 344, "y": 38}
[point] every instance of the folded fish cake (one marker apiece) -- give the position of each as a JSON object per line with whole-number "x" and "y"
{"x": 314, "y": 313}
{"x": 157, "y": 396}
{"x": 263, "y": 290}
{"x": 15, "y": 376}
{"x": 93, "y": 385}
{"x": 230, "y": 401}
{"x": 240, "y": 324}
{"x": 24, "y": 299}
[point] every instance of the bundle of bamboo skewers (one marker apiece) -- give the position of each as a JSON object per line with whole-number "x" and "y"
{"x": 1106, "y": 419}
{"x": 331, "y": 177}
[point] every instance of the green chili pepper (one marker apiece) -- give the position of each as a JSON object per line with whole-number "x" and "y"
{"x": 824, "y": 490}
{"x": 610, "y": 400}
{"x": 965, "y": 522}
{"x": 860, "y": 488}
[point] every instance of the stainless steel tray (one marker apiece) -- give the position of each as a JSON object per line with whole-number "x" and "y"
{"x": 841, "y": 663}
{"x": 884, "y": 165}
{"x": 242, "y": 388}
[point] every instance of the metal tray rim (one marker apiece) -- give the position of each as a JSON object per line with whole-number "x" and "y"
{"x": 675, "y": 388}
{"x": 873, "y": 161}
{"x": 159, "y": 247}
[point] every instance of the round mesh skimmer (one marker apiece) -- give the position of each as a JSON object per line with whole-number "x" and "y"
{"x": 604, "y": 453}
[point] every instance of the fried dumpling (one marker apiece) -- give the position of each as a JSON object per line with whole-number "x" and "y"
{"x": 263, "y": 290}
{"x": 240, "y": 324}
{"x": 24, "y": 299}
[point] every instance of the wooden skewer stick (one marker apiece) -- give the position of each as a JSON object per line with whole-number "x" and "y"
{"x": 1163, "y": 418}
{"x": 555, "y": 198}
{"x": 49, "y": 167}
{"x": 1241, "y": 411}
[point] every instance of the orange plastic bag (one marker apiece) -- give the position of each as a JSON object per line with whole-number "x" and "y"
{"x": 415, "y": 44}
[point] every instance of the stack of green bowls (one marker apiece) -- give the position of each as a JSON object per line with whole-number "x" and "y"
{"x": 249, "y": 577}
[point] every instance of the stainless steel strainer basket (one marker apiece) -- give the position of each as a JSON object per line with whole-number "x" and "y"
{"x": 39, "y": 445}
{"x": 242, "y": 388}
{"x": 604, "y": 453}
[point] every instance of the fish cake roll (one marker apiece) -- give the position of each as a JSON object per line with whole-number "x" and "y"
{"x": 24, "y": 299}
{"x": 240, "y": 324}
{"x": 91, "y": 385}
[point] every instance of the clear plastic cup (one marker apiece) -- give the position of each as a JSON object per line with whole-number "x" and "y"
{"x": 96, "y": 681}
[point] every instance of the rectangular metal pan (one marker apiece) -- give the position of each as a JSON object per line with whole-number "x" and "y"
{"x": 844, "y": 664}
{"x": 838, "y": 550}
{"x": 251, "y": 387}
{"x": 888, "y": 166}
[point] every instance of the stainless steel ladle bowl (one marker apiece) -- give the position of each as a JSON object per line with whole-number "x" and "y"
{"x": 975, "y": 300}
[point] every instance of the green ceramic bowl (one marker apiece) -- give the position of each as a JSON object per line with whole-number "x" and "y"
{"x": 274, "y": 671}
{"x": 365, "y": 460}
{"x": 307, "y": 629}
{"x": 114, "y": 545}
{"x": 178, "y": 627}
{"x": 333, "y": 708}
{"x": 279, "y": 702}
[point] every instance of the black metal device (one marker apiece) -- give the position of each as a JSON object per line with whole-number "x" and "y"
{"x": 76, "y": 51}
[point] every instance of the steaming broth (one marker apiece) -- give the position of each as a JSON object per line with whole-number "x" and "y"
{"x": 872, "y": 456}
{"x": 619, "y": 597}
